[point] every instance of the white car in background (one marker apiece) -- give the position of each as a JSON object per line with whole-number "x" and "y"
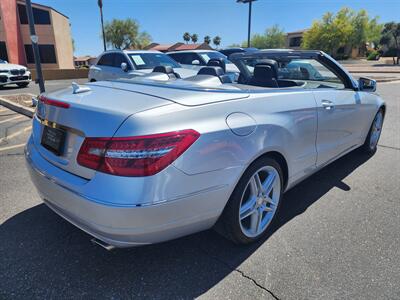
{"x": 196, "y": 59}
{"x": 116, "y": 64}
{"x": 14, "y": 74}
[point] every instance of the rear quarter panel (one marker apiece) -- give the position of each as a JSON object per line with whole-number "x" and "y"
{"x": 286, "y": 122}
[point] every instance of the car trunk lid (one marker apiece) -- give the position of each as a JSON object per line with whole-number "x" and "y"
{"x": 97, "y": 112}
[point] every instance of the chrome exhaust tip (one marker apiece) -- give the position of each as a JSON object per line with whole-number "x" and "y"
{"x": 102, "y": 244}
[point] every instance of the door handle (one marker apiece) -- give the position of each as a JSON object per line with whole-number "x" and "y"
{"x": 327, "y": 104}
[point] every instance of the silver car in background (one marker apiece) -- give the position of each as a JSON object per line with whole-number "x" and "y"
{"x": 115, "y": 64}
{"x": 141, "y": 161}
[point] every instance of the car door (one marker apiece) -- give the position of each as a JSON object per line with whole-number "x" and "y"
{"x": 120, "y": 58}
{"x": 340, "y": 115}
{"x": 104, "y": 69}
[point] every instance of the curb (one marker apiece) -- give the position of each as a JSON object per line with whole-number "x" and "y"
{"x": 17, "y": 107}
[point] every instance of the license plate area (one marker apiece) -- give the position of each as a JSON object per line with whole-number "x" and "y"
{"x": 53, "y": 139}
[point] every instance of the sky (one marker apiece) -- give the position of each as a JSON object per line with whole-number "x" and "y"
{"x": 167, "y": 20}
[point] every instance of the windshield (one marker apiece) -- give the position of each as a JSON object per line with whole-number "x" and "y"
{"x": 152, "y": 60}
{"x": 209, "y": 55}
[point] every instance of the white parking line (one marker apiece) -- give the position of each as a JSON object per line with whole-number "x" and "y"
{"x": 12, "y": 147}
{"x": 12, "y": 119}
{"x": 15, "y": 134}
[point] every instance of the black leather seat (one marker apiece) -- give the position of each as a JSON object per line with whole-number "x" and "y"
{"x": 167, "y": 70}
{"x": 215, "y": 71}
{"x": 217, "y": 62}
{"x": 264, "y": 75}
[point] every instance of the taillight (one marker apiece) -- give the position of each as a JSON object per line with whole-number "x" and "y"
{"x": 52, "y": 102}
{"x": 135, "y": 156}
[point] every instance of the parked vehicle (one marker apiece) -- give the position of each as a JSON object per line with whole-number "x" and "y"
{"x": 14, "y": 74}
{"x": 116, "y": 64}
{"x": 135, "y": 162}
{"x": 196, "y": 59}
{"x": 228, "y": 51}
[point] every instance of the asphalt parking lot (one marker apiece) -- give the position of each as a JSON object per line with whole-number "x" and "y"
{"x": 337, "y": 236}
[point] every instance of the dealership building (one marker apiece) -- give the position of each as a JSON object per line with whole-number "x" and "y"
{"x": 53, "y": 31}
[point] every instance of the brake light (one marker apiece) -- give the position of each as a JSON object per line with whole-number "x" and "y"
{"x": 52, "y": 102}
{"x": 135, "y": 156}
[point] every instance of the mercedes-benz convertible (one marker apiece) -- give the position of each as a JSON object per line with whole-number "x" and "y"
{"x": 135, "y": 162}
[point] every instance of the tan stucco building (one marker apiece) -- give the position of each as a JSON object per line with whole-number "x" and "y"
{"x": 52, "y": 29}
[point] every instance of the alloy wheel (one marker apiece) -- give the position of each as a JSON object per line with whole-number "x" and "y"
{"x": 376, "y": 130}
{"x": 259, "y": 201}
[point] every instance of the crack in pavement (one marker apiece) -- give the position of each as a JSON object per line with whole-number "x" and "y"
{"x": 389, "y": 147}
{"x": 238, "y": 271}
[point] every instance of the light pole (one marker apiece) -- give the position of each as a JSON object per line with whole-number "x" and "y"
{"x": 35, "y": 47}
{"x": 248, "y": 31}
{"x": 100, "y": 4}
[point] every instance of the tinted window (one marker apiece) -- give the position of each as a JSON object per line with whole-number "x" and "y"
{"x": 3, "y": 51}
{"x": 151, "y": 60}
{"x": 40, "y": 16}
{"x": 186, "y": 58}
{"x": 107, "y": 60}
{"x": 47, "y": 54}
{"x": 295, "y": 42}
{"x": 119, "y": 59}
{"x": 208, "y": 55}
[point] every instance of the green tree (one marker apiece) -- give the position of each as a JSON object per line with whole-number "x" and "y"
{"x": 273, "y": 38}
{"x": 125, "y": 34}
{"x": 207, "y": 39}
{"x": 194, "y": 38}
{"x": 345, "y": 30}
{"x": 217, "y": 41}
{"x": 187, "y": 37}
{"x": 390, "y": 40}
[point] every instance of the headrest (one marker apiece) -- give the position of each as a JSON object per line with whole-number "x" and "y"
{"x": 164, "y": 69}
{"x": 217, "y": 62}
{"x": 272, "y": 63}
{"x": 264, "y": 72}
{"x": 213, "y": 71}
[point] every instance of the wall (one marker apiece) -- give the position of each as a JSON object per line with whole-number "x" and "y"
{"x": 56, "y": 74}
{"x": 10, "y": 31}
{"x": 63, "y": 41}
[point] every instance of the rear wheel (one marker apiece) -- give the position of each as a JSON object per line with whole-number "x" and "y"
{"x": 254, "y": 202}
{"x": 371, "y": 142}
{"x": 23, "y": 84}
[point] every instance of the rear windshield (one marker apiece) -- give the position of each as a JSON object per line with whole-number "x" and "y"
{"x": 150, "y": 60}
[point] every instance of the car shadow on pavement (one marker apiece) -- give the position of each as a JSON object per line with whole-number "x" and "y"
{"x": 43, "y": 256}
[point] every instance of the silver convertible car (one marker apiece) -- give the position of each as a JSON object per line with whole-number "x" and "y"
{"x": 135, "y": 162}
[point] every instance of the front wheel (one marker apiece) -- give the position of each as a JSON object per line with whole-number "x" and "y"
{"x": 253, "y": 203}
{"x": 371, "y": 142}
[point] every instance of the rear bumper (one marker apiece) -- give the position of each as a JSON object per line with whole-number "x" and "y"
{"x": 125, "y": 226}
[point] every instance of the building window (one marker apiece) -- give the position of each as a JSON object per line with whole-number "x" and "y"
{"x": 3, "y": 51}
{"x": 47, "y": 54}
{"x": 40, "y": 16}
{"x": 295, "y": 41}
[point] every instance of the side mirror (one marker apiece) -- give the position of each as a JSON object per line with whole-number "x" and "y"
{"x": 124, "y": 67}
{"x": 196, "y": 62}
{"x": 367, "y": 84}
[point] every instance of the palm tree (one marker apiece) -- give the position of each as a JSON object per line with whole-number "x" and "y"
{"x": 186, "y": 37}
{"x": 194, "y": 38}
{"x": 207, "y": 39}
{"x": 217, "y": 41}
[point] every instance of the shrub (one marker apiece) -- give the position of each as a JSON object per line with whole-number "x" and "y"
{"x": 373, "y": 55}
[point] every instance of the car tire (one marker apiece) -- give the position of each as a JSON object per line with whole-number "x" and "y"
{"x": 233, "y": 223}
{"x": 23, "y": 84}
{"x": 371, "y": 142}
